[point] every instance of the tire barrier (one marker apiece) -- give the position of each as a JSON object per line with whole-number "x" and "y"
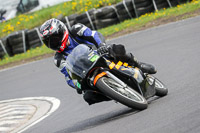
{"x": 4, "y": 48}
{"x": 21, "y": 41}
{"x": 125, "y": 10}
{"x": 33, "y": 38}
{"x": 87, "y": 19}
{"x": 18, "y": 41}
{"x": 160, "y": 4}
{"x": 69, "y": 21}
{"x": 106, "y": 16}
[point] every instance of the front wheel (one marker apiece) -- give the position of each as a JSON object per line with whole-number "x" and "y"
{"x": 124, "y": 95}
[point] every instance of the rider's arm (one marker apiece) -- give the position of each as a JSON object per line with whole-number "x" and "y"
{"x": 60, "y": 62}
{"x": 80, "y": 30}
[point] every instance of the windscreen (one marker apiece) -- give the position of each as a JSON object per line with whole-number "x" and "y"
{"x": 81, "y": 59}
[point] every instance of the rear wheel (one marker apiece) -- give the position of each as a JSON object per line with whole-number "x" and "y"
{"x": 124, "y": 95}
{"x": 161, "y": 89}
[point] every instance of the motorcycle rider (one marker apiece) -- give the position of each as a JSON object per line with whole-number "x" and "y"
{"x": 2, "y": 18}
{"x": 56, "y": 36}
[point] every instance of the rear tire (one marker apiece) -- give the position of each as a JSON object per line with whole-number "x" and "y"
{"x": 161, "y": 89}
{"x": 126, "y": 96}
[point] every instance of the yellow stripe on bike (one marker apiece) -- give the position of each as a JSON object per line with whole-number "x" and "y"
{"x": 125, "y": 64}
{"x": 112, "y": 65}
{"x": 119, "y": 64}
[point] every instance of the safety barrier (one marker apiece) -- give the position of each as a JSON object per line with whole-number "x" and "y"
{"x": 21, "y": 41}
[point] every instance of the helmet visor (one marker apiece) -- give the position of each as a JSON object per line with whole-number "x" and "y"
{"x": 54, "y": 42}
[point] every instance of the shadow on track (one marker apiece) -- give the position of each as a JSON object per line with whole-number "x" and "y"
{"x": 98, "y": 120}
{"x": 102, "y": 119}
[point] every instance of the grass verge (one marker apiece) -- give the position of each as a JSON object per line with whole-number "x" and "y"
{"x": 30, "y": 55}
{"x": 145, "y": 21}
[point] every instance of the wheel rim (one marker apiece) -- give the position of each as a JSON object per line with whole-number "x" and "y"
{"x": 125, "y": 92}
{"x": 158, "y": 84}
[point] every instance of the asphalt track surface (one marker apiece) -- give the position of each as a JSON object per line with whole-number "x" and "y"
{"x": 174, "y": 49}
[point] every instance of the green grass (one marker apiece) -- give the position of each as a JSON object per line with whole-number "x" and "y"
{"x": 39, "y": 51}
{"x": 135, "y": 24}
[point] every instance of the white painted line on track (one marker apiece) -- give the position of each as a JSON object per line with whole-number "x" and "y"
{"x": 13, "y": 112}
{"x": 4, "y": 129}
{"x": 12, "y": 117}
{"x": 56, "y": 104}
{"x": 8, "y": 122}
{"x": 35, "y": 108}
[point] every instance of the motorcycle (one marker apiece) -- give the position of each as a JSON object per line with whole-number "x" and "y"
{"x": 2, "y": 18}
{"x": 117, "y": 81}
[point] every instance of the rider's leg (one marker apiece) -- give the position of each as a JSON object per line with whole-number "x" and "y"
{"x": 146, "y": 68}
{"x": 119, "y": 52}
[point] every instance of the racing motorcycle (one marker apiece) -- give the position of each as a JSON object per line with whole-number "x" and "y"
{"x": 117, "y": 81}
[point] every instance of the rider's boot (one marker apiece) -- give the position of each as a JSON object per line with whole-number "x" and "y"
{"x": 92, "y": 97}
{"x": 144, "y": 67}
{"x": 147, "y": 68}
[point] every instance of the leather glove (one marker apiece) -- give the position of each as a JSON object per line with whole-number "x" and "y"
{"x": 103, "y": 49}
{"x": 78, "y": 87}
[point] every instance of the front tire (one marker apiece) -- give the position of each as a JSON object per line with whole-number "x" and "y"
{"x": 126, "y": 96}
